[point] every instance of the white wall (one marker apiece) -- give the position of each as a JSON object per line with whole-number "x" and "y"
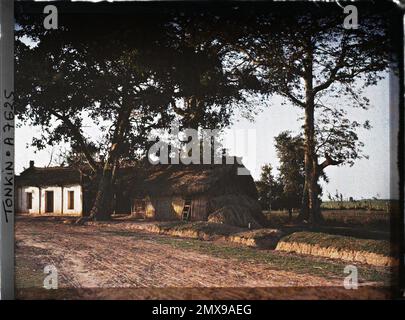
{"x": 57, "y": 199}
{"x": 22, "y": 199}
{"x": 78, "y": 203}
{"x": 39, "y": 202}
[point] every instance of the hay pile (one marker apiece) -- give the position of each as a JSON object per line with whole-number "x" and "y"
{"x": 259, "y": 238}
{"x": 238, "y": 210}
{"x": 368, "y": 251}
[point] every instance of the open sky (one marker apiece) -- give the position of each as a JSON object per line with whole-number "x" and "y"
{"x": 365, "y": 179}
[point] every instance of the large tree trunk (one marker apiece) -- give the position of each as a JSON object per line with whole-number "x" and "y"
{"x": 103, "y": 202}
{"x": 310, "y": 210}
{"x": 103, "y": 205}
{"x": 304, "y": 212}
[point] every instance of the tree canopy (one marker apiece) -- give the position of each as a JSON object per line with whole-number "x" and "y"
{"x": 144, "y": 74}
{"x": 193, "y": 66}
{"x": 311, "y": 60}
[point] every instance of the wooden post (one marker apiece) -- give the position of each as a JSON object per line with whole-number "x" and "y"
{"x": 7, "y": 149}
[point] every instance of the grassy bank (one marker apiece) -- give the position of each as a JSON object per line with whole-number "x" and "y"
{"x": 372, "y": 220}
{"x": 303, "y": 264}
{"x": 340, "y": 242}
{"x": 203, "y": 230}
{"x": 374, "y": 252}
{"x": 280, "y": 261}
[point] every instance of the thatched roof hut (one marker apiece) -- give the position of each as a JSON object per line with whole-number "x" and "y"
{"x": 209, "y": 192}
{"x": 167, "y": 192}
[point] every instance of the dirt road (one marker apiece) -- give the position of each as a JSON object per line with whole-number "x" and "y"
{"x": 98, "y": 257}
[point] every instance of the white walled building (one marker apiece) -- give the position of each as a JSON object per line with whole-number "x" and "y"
{"x": 163, "y": 192}
{"x": 49, "y": 191}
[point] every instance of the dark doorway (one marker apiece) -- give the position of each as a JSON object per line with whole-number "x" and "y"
{"x": 71, "y": 200}
{"x": 29, "y": 200}
{"x": 49, "y": 201}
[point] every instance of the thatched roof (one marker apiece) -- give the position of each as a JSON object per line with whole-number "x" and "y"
{"x": 36, "y": 176}
{"x": 187, "y": 180}
{"x": 157, "y": 180}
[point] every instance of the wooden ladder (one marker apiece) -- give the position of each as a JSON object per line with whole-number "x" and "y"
{"x": 186, "y": 210}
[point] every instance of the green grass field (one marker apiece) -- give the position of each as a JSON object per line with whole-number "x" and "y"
{"x": 367, "y": 204}
{"x": 359, "y": 218}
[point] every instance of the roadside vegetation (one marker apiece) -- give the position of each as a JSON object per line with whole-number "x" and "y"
{"x": 344, "y": 218}
{"x": 280, "y": 261}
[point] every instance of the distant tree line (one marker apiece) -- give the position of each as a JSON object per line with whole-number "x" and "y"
{"x": 284, "y": 191}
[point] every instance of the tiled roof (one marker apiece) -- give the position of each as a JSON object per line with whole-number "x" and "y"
{"x": 36, "y": 176}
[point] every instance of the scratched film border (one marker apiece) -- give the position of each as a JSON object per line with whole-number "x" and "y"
{"x": 7, "y": 154}
{"x": 7, "y": 149}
